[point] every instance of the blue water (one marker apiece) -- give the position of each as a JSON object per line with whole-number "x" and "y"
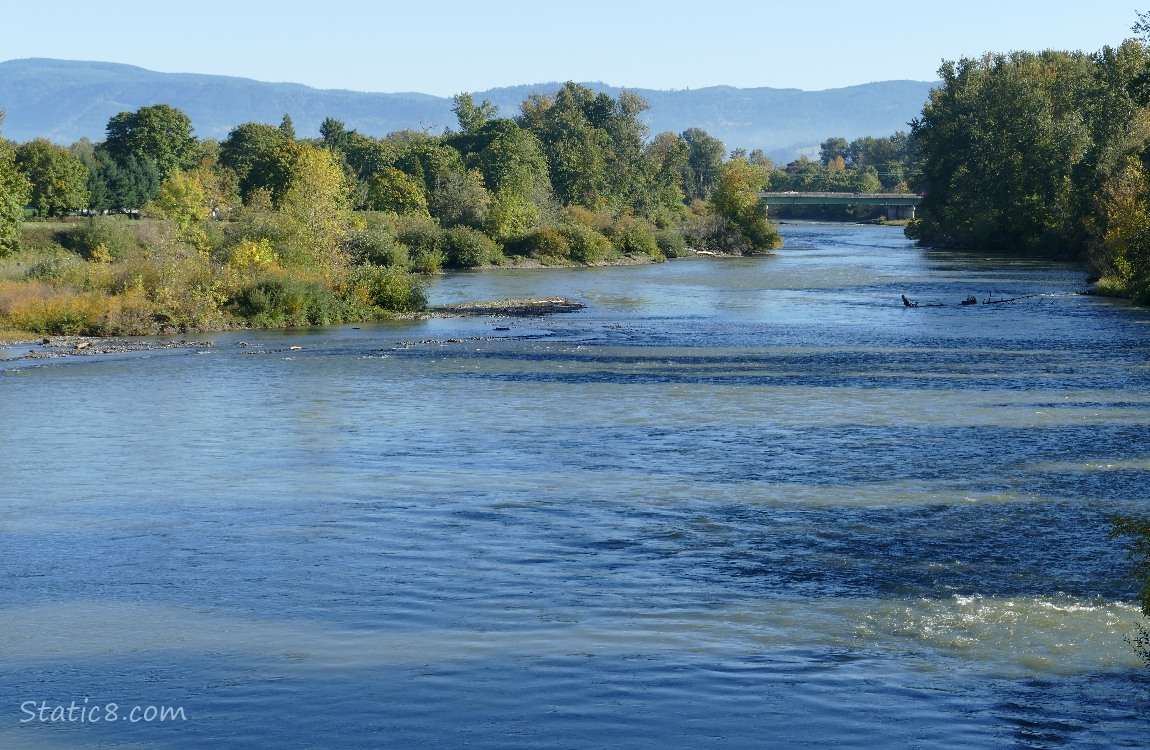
{"x": 732, "y": 503}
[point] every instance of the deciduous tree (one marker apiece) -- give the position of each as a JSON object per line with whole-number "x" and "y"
{"x": 160, "y": 134}
{"x": 737, "y": 200}
{"x": 59, "y": 178}
{"x": 14, "y": 192}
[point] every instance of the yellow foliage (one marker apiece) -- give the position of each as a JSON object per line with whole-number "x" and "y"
{"x": 31, "y": 307}
{"x": 182, "y": 197}
{"x": 1127, "y": 205}
{"x": 317, "y": 201}
{"x": 254, "y": 255}
{"x": 100, "y": 254}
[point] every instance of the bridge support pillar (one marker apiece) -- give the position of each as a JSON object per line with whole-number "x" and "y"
{"x": 900, "y": 213}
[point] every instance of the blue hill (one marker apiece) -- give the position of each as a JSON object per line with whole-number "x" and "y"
{"x": 67, "y": 100}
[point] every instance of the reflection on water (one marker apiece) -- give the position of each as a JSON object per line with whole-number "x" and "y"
{"x": 729, "y": 500}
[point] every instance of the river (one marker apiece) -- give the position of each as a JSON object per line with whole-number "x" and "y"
{"x": 732, "y": 503}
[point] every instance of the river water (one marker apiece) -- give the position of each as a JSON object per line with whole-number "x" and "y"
{"x": 732, "y": 503}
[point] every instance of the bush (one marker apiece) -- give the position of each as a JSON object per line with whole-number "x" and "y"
{"x": 99, "y": 236}
{"x": 39, "y": 308}
{"x": 425, "y": 261}
{"x": 283, "y": 301}
{"x": 672, "y": 243}
{"x": 424, "y": 240}
{"x": 635, "y": 237}
{"x": 586, "y": 245}
{"x": 464, "y": 247}
{"x": 60, "y": 267}
{"x": 376, "y": 246}
{"x": 718, "y": 235}
{"x": 40, "y": 238}
{"x": 546, "y": 244}
{"x": 387, "y": 288}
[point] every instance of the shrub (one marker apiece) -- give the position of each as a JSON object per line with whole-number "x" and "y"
{"x": 425, "y": 261}
{"x": 672, "y": 243}
{"x": 547, "y": 244}
{"x": 113, "y": 235}
{"x": 424, "y": 240}
{"x": 39, "y": 238}
{"x": 464, "y": 247}
{"x": 60, "y": 267}
{"x": 376, "y": 246}
{"x": 633, "y": 236}
{"x": 253, "y": 255}
{"x": 389, "y": 288}
{"x": 39, "y": 308}
{"x": 283, "y": 301}
{"x": 586, "y": 245}
{"x": 718, "y": 235}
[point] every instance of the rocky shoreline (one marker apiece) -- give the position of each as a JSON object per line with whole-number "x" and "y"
{"x": 52, "y": 347}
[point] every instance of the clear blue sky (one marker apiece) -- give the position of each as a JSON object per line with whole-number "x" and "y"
{"x": 446, "y": 46}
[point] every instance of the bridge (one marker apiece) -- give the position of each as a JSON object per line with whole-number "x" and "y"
{"x": 898, "y": 205}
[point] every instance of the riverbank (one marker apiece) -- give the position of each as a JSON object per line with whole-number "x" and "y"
{"x": 53, "y": 347}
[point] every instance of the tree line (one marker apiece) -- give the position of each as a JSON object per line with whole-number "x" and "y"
{"x": 1043, "y": 153}
{"x": 864, "y": 165}
{"x": 265, "y": 221}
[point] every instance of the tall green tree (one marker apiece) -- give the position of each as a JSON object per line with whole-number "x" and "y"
{"x": 161, "y": 134}
{"x": 287, "y": 127}
{"x": 14, "y": 192}
{"x": 316, "y": 202}
{"x": 59, "y": 178}
{"x": 396, "y": 191}
{"x": 126, "y": 187}
{"x": 335, "y": 134}
{"x": 831, "y": 149}
{"x": 571, "y": 128}
{"x": 473, "y": 116}
{"x": 260, "y": 156}
{"x": 704, "y": 163}
{"x": 667, "y": 154}
{"x": 1004, "y": 146}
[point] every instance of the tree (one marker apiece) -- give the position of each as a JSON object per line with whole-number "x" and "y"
{"x": 59, "y": 178}
{"x": 594, "y": 146}
{"x": 316, "y": 203}
{"x": 122, "y": 187}
{"x": 668, "y": 155}
{"x": 471, "y": 116}
{"x": 1125, "y": 201}
{"x": 1006, "y": 151}
{"x": 160, "y": 134}
{"x": 182, "y": 197}
{"x": 253, "y": 145}
{"x": 704, "y": 163}
{"x": 461, "y": 200}
{"x": 831, "y": 149}
{"x": 580, "y": 131}
{"x": 737, "y": 200}
{"x": 398, "y": 192}
{"x": 287, "y": 128}
{"x": 335, "y": 134}
{"x": 14, "y": 192}
{"x": 514, "y": 172}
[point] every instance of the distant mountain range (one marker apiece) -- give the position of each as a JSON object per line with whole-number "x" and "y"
{"x": 67, "y": 100}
